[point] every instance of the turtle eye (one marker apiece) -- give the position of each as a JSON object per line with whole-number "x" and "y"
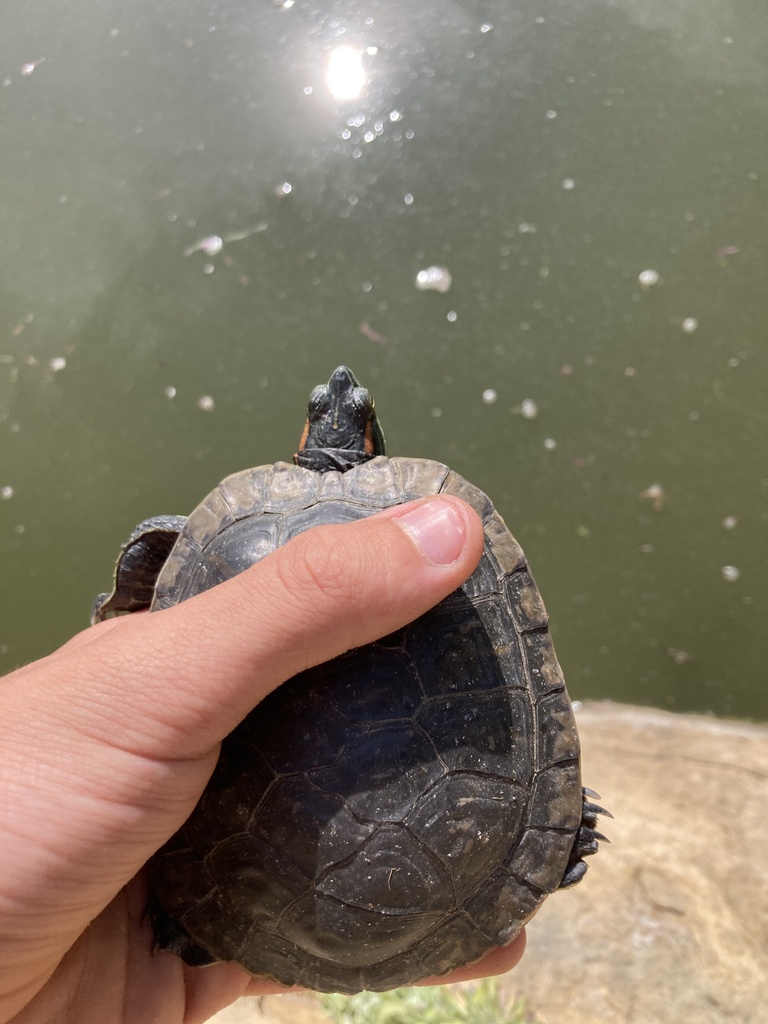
{"x": 316, "y": 399}
{"x": 361, "y": 400}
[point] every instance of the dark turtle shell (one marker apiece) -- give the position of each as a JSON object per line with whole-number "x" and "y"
{"x": 396, "y": 812}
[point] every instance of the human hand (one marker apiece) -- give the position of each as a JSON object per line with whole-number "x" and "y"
{"x": 109, "y": 742}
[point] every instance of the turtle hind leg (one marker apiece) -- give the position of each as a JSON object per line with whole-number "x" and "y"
{"x": 141, "y": 560}
{"x": 171, "y": 937}
{"x": 586, "y": 842}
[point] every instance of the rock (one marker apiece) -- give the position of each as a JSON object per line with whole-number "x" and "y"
{"x": 671, "y": 922}
{"x": 670, "y": 925}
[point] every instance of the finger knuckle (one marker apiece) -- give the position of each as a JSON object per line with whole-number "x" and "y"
{"x": 318, "y": 564}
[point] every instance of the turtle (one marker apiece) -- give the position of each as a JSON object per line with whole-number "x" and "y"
{"x": 396, "y": 812}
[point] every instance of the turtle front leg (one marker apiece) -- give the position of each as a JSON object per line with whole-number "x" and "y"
{"x": 586, "y": 842}
{"x": 141, "y": 560}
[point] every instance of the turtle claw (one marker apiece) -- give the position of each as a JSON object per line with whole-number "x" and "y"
{"x": 590, "y": 834}
{"x": 595, "y": 809}
{"x": 586, "y": 841}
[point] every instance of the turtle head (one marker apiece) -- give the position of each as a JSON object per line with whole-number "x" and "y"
{"x": 342, "y": 429}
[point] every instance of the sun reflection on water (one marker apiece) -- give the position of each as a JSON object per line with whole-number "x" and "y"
{"x": 345, "y": 75}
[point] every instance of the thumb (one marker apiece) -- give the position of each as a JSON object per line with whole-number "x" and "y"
{"x": 181, "y": 679}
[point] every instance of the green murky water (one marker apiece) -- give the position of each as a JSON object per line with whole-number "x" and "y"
{"x": 545, "y": 153}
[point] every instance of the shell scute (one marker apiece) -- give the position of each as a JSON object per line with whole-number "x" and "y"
{"x": 379, "y": 772}
{"x": 479, "y": 500}
{"x": 501, "y": 546}
{"x": 468, "y": 813}
{"x": 544, "y": 670}
{"x": 533, "y": 862}
{"x": 525, "y": 601}
{"x": 463, "y": 662}
{"x": 501, "y": 905}
{"x": 314, "y": 829}
{"x": 246, "y": 492}
{"x": 558, "y": 739}
{"x": 556, "y": 799}
{"x": 290, "y": 488}
{"x": 173, "y": 578}
{"x": 438, "y": 950}
{"x": 489, "y": 732}
{"x": 418, "y": 477}
{"x": 374, "y": 484}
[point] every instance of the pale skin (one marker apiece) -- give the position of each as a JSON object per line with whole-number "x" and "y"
{"x": 108, "y": 743}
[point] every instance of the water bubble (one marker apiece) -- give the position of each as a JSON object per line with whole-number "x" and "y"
{"x": 407, "y": 198}
{"x": 551, "y": 115}
{"x": 730, "y": 522}
{"x": 486, "y": 27}
{"x": 208, "y": 268}
{"x": 6, "y": 493}
{"x": 211, "y": 245}
{"x": 205, "y": 403}
{"x": 489, "y": 396}
{"x": 690, "y": 324}
{"x": 648, "y": 278}
{"x": 550, "y": 443}
{"x": 395, "y": 115}
{"x": 529, "y": 410}
{"x": 678, "y": 656}
{"x": 437, "y": 279}
{"x": 29, "y": 67}
{"x": 730, "y": 573}
{"x": 57, "y": 363}
{"x": 568, "y": 184}
{"x": 452, "y": 316}
{"x": 655, "y": 495}
{"x": 284, "y": 189}
{"x": 170, "y": 391}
